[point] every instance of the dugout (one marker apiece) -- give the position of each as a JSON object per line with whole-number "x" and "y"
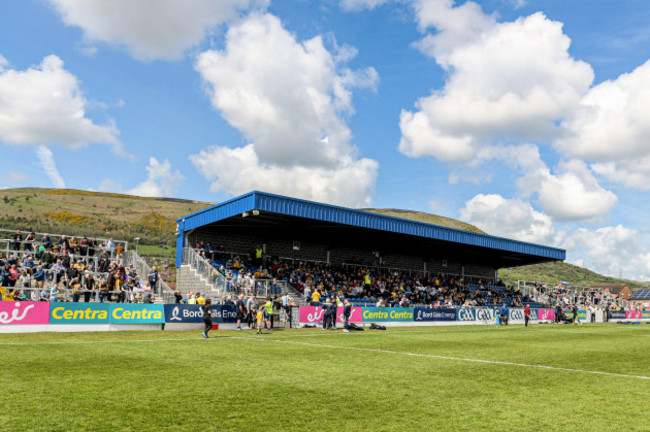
{"x": 297, "y": 229}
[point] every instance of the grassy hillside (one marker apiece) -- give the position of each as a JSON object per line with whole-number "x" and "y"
{"x": 93, "y": 213}
{"x": 559, "y": 271}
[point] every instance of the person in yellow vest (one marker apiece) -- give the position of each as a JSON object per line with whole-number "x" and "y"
{"x": 258, "y": 256}
{"x": 201, "y": 299}
{"x": 191, "y": 298}
{"x": 268, "y": 313}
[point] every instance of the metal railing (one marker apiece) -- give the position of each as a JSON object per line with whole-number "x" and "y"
{"x": 40, "y": 235}
{"x": 143, "y": 269}
{"x": 62, "y": 294}
{"x": 204, "y": 268}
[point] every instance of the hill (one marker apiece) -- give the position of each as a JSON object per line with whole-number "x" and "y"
{"x": 125, "y": 217}
{"x": 94, "y": 213}
{"x": 559, "y": 271}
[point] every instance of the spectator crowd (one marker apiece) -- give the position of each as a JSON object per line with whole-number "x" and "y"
{"x": 70, "y": 268}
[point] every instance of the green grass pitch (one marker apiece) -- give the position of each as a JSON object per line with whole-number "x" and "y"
{"x": 461, "y": 378}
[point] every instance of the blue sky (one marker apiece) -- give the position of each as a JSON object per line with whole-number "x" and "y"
{"x": 527, "y": 118}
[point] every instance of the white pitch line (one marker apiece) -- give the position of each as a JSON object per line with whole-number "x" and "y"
{"x": 405, "y": 353}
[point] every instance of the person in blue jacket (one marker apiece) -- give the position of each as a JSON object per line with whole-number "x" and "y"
{"x": 503, "y": 312}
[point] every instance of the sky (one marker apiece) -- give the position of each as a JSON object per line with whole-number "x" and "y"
{"x": 527, "y": 118}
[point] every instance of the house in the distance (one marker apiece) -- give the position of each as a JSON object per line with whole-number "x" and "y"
{"x": 614, "y": 291}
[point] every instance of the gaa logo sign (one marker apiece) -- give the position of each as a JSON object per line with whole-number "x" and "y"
{"x": 466, "y": 315}
{"x": 516, "y": 315}
{"x": 484, "y": 314}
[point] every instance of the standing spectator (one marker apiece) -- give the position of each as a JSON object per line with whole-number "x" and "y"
{"x": 83, "y": 246}
{"x": 526, "y": 315}
{"x": 29, "y": 242}
{"x": 153, "y": 279}
{"x": 503, "y": 318}
{"x": 251, "y": 307}
{"x": 268, "y": 313}
{"x": 347, "y": 310}
{"x": 178, "y": 297}
{"x": 592, "y": 312}
{"x": 207, "y": 317}
{"x": 92, "y": 245}
{"x": 89, "y": 287}
{"x": 241, "y": 311}
{"x": 18, "y": 238}
{"x": 260, "y": 319}
{"x": 119, "y": 251}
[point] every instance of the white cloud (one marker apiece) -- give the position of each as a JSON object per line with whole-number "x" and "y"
{"x": 16, "y": 177}
{"x": 611, "y": 127}
{"x": 289, "y": 99}
{"x": 612, "y": 120}
{"x": 161, "y": 181}
{"x": 633, "y": 173}
{"x": 48, "y": 165}
{"x": 508, "y": 218}
{"x": 568, "y": 192}
{"x": 237, "y": 171}
{"x": 574, "y": 193}
{"x": 163, "y": 29}
{"x": 612, "y": 250}
{"x": 507, "y": 81}
{"x": 44, "y": 105}
{"x": 357, "y": 5}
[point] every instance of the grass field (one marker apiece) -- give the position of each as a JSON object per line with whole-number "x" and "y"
{"x": 540, "y": 378}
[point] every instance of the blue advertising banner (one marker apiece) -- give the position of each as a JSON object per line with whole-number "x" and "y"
{"x": 180, "y": 313}
{"x": 80, "y": 313}
{"x": 130, "y": 313}
{"x": 423, "y": 313}
{"x": 387, "y": 314}
{"x": 616, "y": 314}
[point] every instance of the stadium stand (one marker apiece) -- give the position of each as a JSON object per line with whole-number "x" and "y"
{"x": 43, "y": 267}
{"x": 365, "y": 285}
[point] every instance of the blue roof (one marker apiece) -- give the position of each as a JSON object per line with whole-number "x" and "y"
{"x": 266, "y": 202}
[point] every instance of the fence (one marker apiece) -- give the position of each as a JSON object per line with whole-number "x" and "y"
{"x": 39, "y": 236}
{"x": 143, "y": 269}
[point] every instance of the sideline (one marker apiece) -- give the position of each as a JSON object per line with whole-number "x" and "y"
{"x": 406, "y": 353}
